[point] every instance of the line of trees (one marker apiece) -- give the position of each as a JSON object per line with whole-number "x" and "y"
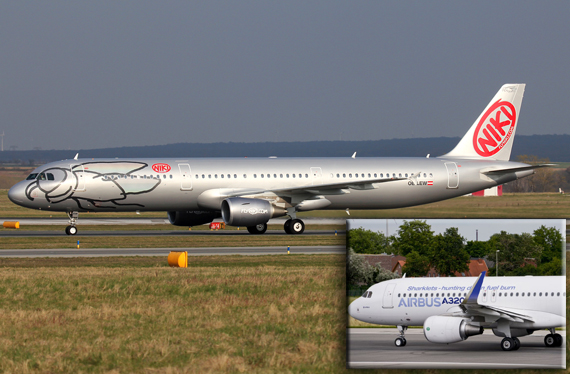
{"x": 449, "y": 252}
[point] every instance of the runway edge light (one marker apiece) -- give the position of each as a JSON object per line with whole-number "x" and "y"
{"x": 178, "y": 259}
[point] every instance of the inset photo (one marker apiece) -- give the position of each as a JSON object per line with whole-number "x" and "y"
{"x": 462, "y": 294}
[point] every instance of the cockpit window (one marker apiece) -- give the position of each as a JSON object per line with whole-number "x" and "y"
{"x": 32, "y": 177}
{"x": 369, "y": 294}
{"x": 45, "y": 177}
{"x": 365, "y": 294}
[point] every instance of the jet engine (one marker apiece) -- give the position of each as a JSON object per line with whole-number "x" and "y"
{"x": 192, "y": 218}
{"x": 239, "y": 211}
{"x": 442, "y": 329}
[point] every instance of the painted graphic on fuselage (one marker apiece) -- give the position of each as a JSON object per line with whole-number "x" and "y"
{"x": 415, "y": 300}
{"x": 420, "y": 302}
{"x": 59, "y": 184}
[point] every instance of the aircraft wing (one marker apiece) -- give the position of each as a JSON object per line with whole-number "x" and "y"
{"x": 318, "y": 189}
{"x": 471, "y": 306}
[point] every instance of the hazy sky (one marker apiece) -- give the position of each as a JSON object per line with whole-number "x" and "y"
{"x": 466, "y": 227}
{"x": 94, "y": 74}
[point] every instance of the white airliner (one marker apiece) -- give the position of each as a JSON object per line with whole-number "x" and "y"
{"x": 250, "y": 191}
{"x": 453, "y": 309}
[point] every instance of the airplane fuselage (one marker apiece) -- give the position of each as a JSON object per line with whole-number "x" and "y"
{"x": 202, "y": 184}
{"x": 409, "y": 302}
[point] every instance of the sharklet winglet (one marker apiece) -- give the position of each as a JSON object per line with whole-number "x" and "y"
{"x": 474, "y": 293}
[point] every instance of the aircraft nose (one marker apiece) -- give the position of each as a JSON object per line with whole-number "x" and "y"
{"x": 17, "y": 193}
{"x": 354, "y": 309}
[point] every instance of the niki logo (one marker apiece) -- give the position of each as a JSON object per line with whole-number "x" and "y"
{"x": 495, "y": 128}
{"x": 161, "y": 168}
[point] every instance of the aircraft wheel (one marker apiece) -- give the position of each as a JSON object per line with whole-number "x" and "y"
{"x": 558, "y": 340}
{"x": 71, "y": 230}
{"x": 257, "y": 229}
{"x": 508, "y": 344}
{"x": 296, "y": 226}
{"x": 400, "y": 342}
{"x": 517, "y": 344}
{"x": 550, "y": 340}
{"x": 287, "y": 226}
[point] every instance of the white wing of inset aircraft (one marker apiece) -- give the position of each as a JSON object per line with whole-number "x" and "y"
{"x": 453, "y": 309}
{"x": 250, "y": 191}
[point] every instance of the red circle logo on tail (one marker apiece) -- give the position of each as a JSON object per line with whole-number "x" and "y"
{"x": 161, "y": 168}
{"x": 495, "y": 128}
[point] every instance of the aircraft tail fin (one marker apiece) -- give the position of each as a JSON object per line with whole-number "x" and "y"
{"x": 492, "y": 134}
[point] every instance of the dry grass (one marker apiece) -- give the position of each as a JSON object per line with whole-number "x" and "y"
{"x": 232, "y": 317}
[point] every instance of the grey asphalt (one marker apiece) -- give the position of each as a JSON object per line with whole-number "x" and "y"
{"x": 90, "y": 219}
{"x": 205, "y": 251}
{"x": 374, "y": 348}
{"x": 47, "y": 233}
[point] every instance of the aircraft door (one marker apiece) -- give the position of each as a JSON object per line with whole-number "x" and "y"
{"x": 186, "y": 175}
{"x": 452, "y": 175}
{"x": 79, "y": 174}
{"x": 388, "y": 299}
{"x": 317, "y": 175}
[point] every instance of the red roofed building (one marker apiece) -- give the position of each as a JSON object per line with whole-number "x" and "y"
{"x": 476, "y": 267}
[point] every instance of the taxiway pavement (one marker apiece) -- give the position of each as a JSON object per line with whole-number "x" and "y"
{"x": 205, "y": 251}
{"x": 374, "y": 348}
{"x": 84, "y": 233}
{"x": 86, "y": 219}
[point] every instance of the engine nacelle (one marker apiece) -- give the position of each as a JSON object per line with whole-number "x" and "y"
{"x": 239, "y": 211}
{"x": 192, "y": 218}
{"x": 442, "y": 329}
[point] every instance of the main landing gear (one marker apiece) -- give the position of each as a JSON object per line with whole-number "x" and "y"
{"x": 71, "y": 229}
{"x": 553, "y": 339}
{"x": 510, "y": 344}
{"x": 294, "y": 226}
{"x": 257, "y": 229}
{"x": 401, "y": 340}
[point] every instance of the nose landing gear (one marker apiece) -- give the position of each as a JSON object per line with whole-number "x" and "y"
{"x": 71, "y": 229}
{"x": 401, "y": 340}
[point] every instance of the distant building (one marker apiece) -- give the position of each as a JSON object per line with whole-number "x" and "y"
{"x": 493, "y": 191}
{"x": 386, "y": 261}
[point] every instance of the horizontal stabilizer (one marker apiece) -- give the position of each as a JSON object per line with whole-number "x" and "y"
{"x": 512, "y": 170}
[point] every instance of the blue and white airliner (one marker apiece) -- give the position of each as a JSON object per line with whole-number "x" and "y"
{"x": 453, "y": 309}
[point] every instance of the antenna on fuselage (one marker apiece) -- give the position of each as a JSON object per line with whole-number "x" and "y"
{"x": 354, "y": 155}
{"x": 76, "y": 155}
